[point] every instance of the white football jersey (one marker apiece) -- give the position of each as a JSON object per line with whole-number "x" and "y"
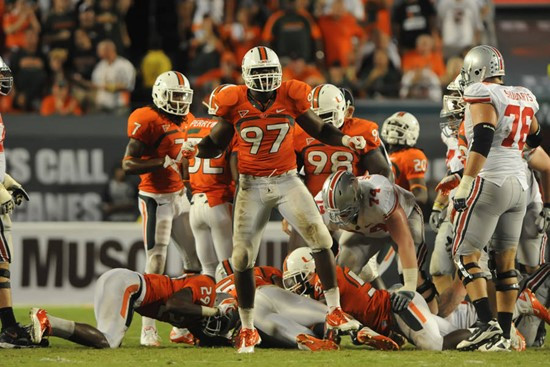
{"x": 515, "y": 107}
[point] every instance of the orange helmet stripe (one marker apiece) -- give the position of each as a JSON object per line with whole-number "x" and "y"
{"x": 227, "y": 267}
{"x": 263, "y": 53}
{"x": 316, "y": 93}
{"x": 181, "y": 81}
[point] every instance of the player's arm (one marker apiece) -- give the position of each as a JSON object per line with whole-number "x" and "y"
{"x": 484, "y": 120}
{"x": 375, "y": 162}
{"x": 534, "y": 139}
{"x": 327, "y": 133}
{"x": 398, "y": 226}
{"x": 132, "y": 164}
{"x": 181, "y": 303}
{"x": 217, "y": 141}
{"x": 540, "y": 162}
{"x": 419, "y": 190}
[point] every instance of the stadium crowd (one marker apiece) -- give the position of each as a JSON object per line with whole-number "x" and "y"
{"x": 78, "y": 56}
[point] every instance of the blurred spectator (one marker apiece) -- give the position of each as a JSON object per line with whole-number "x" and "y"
{"x": 379, "y": 41}
{"x": 110, "y": 19}
{"x": 88, "y": 24}
{"x": 184, "y": 12}
{"x": 383, "y": 80}
{"x": 342, "y": 77}
{"x": 60, "y": 102}
{"x": 452, "y": 69}
{"x": 460, "y": 24}
{"x": 293, "y": 30}
{"x": 489, "y": 33}
{"x": 119, "y": 199}
{"x": 242, "y": 34}
{"x": 213, "y": 9}
{"x": 378, "y": 17}
{"x": 83, "y": 61}
{"x": 18, "y": 18}
{"x": 206, "y": 48}
{"x": 113, "y": 78}
{"x": 341, "y": 34}
{"x": 354, "y": 7}
{"x": 227, "y": 73}
{"x": 153, "y": 64}
{"x": 410, "y": 19}
{"x": 298, "y": 69}
{"x": 421, "y": 84}
{"x": 59, "y": 25}
{"x": 28, "y": 65}
{"x": 424, "y": 57}
{"x": 56, "y": 64}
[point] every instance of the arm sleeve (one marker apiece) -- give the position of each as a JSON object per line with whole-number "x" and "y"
{"x": 298, "y": 94}
{"x": 371, "y": 137}
{"x": 223, "y": 102}
{"x": 139, "y": 127}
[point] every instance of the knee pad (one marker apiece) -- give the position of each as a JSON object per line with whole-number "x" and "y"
{"x": 463, "y": 274}
{"x": 427, "y": 286}
{"x": 500, "y": 286}
{"x": 5, "y": 273}
{"x": 242, "y": 258}
{"x": 156, "y": 259}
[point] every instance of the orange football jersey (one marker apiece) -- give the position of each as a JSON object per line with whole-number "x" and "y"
{"x": 321, "y": 160}
{"x": 462, "y": 143}
{"x": 265, "y": 143}
{"x": 408, "y": 163}
{"x": 366, "y": 304}
{"x": 158, "y": 288}
{"x": 161, "y": 138}
{"x": 263, "y": 274}
{"x": 210, "y": 176}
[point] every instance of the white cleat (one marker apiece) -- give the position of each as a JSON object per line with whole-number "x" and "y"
{"x": 150, "y": 337}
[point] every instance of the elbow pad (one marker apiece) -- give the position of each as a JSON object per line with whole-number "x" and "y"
{"x": 535, "y": 139}
{"x": 483, "y": 138}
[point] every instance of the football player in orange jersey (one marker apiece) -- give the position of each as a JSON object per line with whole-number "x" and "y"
{"x": 183, "y": 302}
{"x": 263, "y": 113}
{"x": 380, "y": 311}
{"x": 213, "y": 189}
{"x": 156, "y": 135}
{"x": 400, "y": 131}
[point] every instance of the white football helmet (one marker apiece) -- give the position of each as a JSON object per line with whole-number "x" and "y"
{"x": 6, "y": 78}
{"x": 262, "y": 70}
{"x": 456, "y": 85}
{"x": 480, "y": 63}
{"x": 298, "y": 270}
{"x": 223, "y": 270}
{"x": 401, "y": 128}
{"x": 328, "y": 102}
{"x": 172, "y": 93}
{"x": 208, "y": 101}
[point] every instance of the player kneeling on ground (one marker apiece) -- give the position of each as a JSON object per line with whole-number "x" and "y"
{"x": 181, "y": 302}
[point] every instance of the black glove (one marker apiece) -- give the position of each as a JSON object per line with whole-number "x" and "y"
{"x": 400, "y": 300}
{"x": 19, "y": 194}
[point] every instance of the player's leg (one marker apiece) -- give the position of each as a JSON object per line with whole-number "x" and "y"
{"x": 203, "y": 238}
{"x": 221, "y": 227}
{"x": 298, "y": 207}
{"x": 442, "y": 267}
{"x": 182, "y": 234}
{"x": 253, "y": 203}
{"x": 356, "y": 250}
{"x": 531, "y": 241}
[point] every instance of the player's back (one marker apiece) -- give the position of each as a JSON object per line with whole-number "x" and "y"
{"x": 265, "y": 136}
{"x": 320, "y": 160}
{"x": 515, "y": 108}
{"x": 161, "y": 137}
{"x": 211, "y": 176}
{"x": 408, "y": 163}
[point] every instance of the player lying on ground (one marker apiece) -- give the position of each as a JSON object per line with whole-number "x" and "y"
{"x": 182, "y": 302}
{"x": 402, "y": 311}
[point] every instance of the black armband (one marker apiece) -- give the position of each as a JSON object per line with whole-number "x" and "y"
{"x": 483, "y": 138}
{"x": 207, "y": 148}
{"x": 535, "y": 139}
{"x": 460, "y": 172}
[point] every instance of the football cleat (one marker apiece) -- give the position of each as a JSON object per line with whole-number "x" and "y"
{"x": 313, "y": 344}
{"x": 528, "y": 304}
{"x": 40, "y": 325}
{"x": 517, "y": 340}
{"x": 497, "y": 344}
{"x": 150, "y": 337}
{"x": 246, "y": 340}
{"x": 367, "y": 336}
{"x": 183, "y": 336}
{"x": 338, "y": 319}
{"x": 16, "y": 337}
{"x": 481, "y": 335}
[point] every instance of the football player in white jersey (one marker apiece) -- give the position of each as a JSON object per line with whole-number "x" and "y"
{"x": 375, "y": 213}
{"x": 491, "y": 198}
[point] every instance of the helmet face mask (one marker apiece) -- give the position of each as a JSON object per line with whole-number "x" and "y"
{"x": 452, "y": 114}
{"x": 298, "y": 271}
{"x": 341, "y": 197}
{"x": 261, "y": 70}
{"x": 6, "y": 78}
{"x": 328, "y": 102}
{"x": 401, "y": 128}
{"x": 172, "y": 93}
{"x": 297, "y": 282}
{"x": 220, "y": 325}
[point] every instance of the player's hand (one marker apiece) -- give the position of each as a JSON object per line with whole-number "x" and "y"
{"x": 435, "y": 220}
{"x": 226, "y": 306}
{"x": 169, "y": 162}
{"x": 286, "y": 227}
{"x": 17, "y": 192}
{"x": 354, "y": 142}
{"x": 189, "y": 149}
{"x": 543, "y": 221}
{"x": 448, "y": 183}
{"x": 462, "y": 193}
{"x": 400, "y": 300}
{"x": 6, "y": 201}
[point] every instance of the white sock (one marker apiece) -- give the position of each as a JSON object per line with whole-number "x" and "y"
{"x": 247, "y": 317}
{"x": 61, "y": 327}
{"x": 146, "y": 321}
{"x": 332, "y": 296}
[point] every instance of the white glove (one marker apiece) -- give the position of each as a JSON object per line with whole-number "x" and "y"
{"x": 169, "y": 162}
{"x": 543, "y": 221}
{"x": 435, "y": 217}
{"x": 354, "y": 142}
{"x": 17, "y": 192}
{"x": 189, "y": 149}
{"x": 462, "y": 193}
{"x": 6, "y": 201}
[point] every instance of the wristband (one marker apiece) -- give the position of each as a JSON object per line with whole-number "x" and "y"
{"x": 410, "y": 278}
{"x": 209, "y": 311}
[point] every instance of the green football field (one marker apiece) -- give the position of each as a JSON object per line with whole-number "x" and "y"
{"x": 62, "y": 353}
